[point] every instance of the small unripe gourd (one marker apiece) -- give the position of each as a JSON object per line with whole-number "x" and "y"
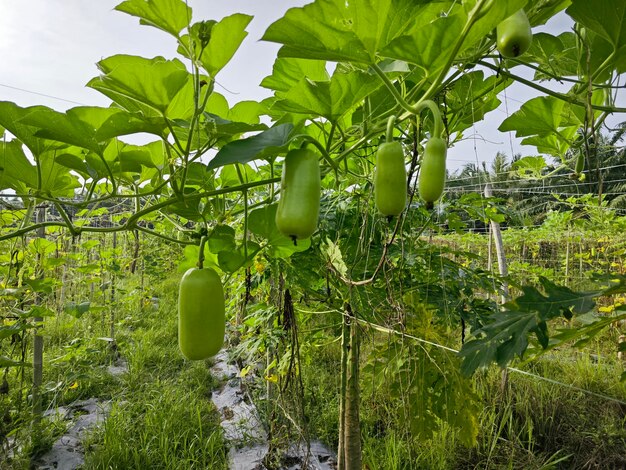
{"x": 514, "y": 35}
{"x": 201, "y": 314}
{"x": 299, "y": 205}
{"x": 432, "y": 177}
{"x": 580, "y": 163}
{"x": 390, "y": 179}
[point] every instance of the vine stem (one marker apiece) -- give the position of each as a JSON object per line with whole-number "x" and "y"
{"x": 245, "y": 225}
{"x": 66, "y": 219}
{"x": 417, "y": 108}
{"x": 131, "y": 222}
{"x": 547, "y": 91}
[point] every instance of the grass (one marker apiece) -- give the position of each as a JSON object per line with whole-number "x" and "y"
{"x": 531, "y": 425}
{"x": 161, "y": 415}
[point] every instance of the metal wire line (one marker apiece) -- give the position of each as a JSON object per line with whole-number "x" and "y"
{"x": 452, "y": 178}
{"x": 512, "y": 369}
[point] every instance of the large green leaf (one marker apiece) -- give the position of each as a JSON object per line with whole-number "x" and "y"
{"x": 529, "y": 166}
{"x": 263, "y": 145}
{"x": 215, "y": 42}
{"x": 540, "y": 116}
{"x": 330, "y": 99}
{"x": 222, "y": 238}
{"x": 337, "y": 30}
{"x": 189, "y": 208}
{"x": 556, "y": 55}
{"x": 288, "y": 72}
{"x": 435, "y": 32}
{"x": 219, "y": 124}
{"x": 217, "y": 104}
{"x": 232, "y": 260}
{"x": 168, "y": 15}
{"x": 11, "y": 118}
{"x": 606, "y": 18}
{"x": 74, "y": 160}
{"x": 139, "y": 84}
{"x": 56, "y": 179}
{"x": 125, "y": 123}
{"x": 226, "y": 37}
{"x": 89, "y": 127}
{"x": 7, "y": 362}
{"x": 199, "y": 175}
{"x": 77, "y": 310}
{"x": 261, "y": 222}
{"x": 133, "y": 158}
{"x": 241, "y": 118}
{"x": 506, "y": 335}
{"x": 542, "y": 12}
{"x": 16, "y": 172}
{"x": 553, "y": 144}
{"x": 6, "y": 331}
{"x": 427, "y": 46}
{"x": 231, "y": 175}
{"x": 70, "y": 127}
{"x": 247, "y": 112}
{"x": 545, "y": 118}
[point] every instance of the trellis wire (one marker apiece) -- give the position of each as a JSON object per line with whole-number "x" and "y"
{"x": 512, "y": 369}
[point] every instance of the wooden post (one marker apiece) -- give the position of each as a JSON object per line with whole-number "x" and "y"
{"x": 497, "y": 236}
{"x": 40, "y": 216}
{"x": 112, "y": 325}
{"x": 567, "y": 259}
{"x": 345, "y": 351}
{"x": 490, "y": 250}
{"x": 504, "y": 271}
{"x": 349, "y": 449}
{"x": 352, "y": 421}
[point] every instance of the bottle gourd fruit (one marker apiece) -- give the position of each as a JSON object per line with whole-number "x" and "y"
{"x": 299, "y": 205}
{"x": 432, "y": 177}
{"x": 201, "y": 319}
{"x": 390, "y": 179}
{"x": 580, "y": 163}
{"x": 514, "y": 35}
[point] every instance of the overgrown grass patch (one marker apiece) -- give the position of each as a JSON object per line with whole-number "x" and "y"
{"x": 162, "y": 416}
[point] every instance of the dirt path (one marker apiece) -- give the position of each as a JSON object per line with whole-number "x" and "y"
{"x": 245, "y": 433}
{"x": 67, "y": 453}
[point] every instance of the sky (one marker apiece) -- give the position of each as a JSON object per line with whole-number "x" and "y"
{"x": 50, "y": 48}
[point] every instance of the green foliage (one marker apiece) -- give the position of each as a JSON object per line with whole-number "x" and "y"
{"x": 212, "y": 170}
{"x": 506, "y": 332}
{"x": 546, "y": 122}
{"x": 428, "y": 384}
{"x": 169, "y": 15}
{"x": 266, "y": 144}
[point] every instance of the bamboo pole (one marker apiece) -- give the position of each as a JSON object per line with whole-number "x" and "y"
{"x": 494, "y": 227}
{"x": 38, "y": 344}
{"x": 497, "y": 237}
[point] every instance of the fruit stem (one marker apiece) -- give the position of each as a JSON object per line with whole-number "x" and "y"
{"x": 391, "y": 122}
{"x": 434, "y": 109}
{"x": 203, "y": 240}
